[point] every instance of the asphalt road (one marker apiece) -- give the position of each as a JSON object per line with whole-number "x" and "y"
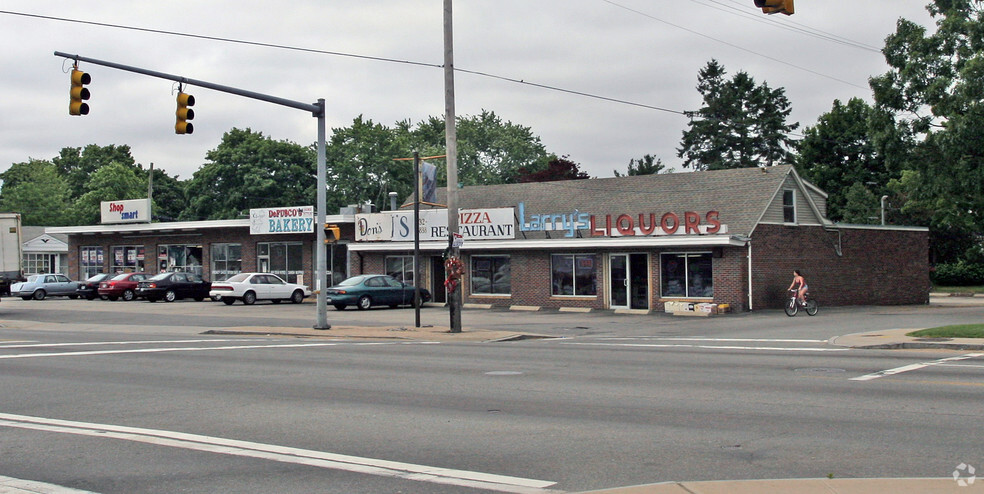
{"x": 132, "y": 397}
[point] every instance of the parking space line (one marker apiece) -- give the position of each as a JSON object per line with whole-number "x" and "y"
{"x": 912, "y": 367}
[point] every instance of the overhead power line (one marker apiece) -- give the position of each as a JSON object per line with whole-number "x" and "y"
{"x": 342, "y": 54}
{"x": 738, "y": 47}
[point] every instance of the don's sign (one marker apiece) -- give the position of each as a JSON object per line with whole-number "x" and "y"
{"x": 297, "y": 219}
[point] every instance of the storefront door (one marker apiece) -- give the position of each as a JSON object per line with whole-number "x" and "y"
{"x": 629, "y": 281}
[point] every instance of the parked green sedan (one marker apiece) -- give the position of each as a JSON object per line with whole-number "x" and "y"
{"x": 367, "y": 290}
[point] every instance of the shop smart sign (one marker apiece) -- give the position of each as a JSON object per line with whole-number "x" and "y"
{"x": 296, "y": 219}
{"x": 621, "y": 225}
{"x": 131, "y": 211}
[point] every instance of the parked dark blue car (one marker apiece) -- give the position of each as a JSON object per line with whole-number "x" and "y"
{"x": 367, "y": 290}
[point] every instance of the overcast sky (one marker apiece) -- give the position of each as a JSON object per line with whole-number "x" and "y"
{"x": 644, "y": 52}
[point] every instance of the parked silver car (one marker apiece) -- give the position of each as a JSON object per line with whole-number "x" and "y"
{"x": 39, "y": 286}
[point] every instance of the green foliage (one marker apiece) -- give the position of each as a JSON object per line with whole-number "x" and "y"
{"x": 936, "y": 81}
{"x": 78, "y": 164}
{"x": 839, "y": 153}
{"x": 361, "y": 166}
{"x": 960, "y": 273}
{"x": 861, "y": 206}
{"x": 953, "y": 331}
{"x": 647, "y": 165}
{"x": 248, "y": 170}
{"x": 114, "y": 181}
{"x": 490, "y": 150}
{"x": 38, "y": 192}
{"x": 741, "y": 124}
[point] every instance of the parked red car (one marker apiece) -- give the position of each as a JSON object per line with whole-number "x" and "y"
{"x": 121, "y": 286}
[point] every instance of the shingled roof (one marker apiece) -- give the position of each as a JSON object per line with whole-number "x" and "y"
{"x": 739, "y": 195}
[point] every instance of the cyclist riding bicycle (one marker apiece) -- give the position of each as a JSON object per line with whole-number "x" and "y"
{"x": 799, "y": 282}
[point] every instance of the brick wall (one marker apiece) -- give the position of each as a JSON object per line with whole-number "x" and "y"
{"x": 878, "y": 267}
{"x": 206, "y": 238}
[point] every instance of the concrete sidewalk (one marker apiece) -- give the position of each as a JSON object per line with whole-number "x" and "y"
{"x": 807, "y": 486}
{"x": 408, "y": 333}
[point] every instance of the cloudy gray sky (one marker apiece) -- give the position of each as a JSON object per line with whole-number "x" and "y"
{"x": 644, "y": 52}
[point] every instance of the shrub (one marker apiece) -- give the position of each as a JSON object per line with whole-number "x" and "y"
{"x": 960, "y": 273}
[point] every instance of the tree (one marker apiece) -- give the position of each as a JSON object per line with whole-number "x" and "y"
{"x": 112, "y": 182}
{"x": 170, "y": 197}
{"x": 78, "y": 164}
{"x": 490, "y": 150}
{"x": 361, "y": 166}
{"x": 647, "y": 165}
{"x": 936, "y": 82}
{"x": 38, "y": 192}
{"x": 247, "y": 170}
{"x": 741, "y": 124}
{"x": 557, "y": 169}
{"x": 839, "y": 152}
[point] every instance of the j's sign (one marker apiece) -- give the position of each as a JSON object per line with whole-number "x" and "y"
{"x": 132, "y": 211}
{"x": 296, "y": 219}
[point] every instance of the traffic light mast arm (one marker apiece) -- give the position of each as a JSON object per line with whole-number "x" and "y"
{"x": 315, "y": 108}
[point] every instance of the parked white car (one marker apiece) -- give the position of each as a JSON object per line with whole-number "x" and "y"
{"x": 250, "y": 287}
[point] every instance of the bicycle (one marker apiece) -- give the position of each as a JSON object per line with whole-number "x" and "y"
{"x": 793, "y": 306}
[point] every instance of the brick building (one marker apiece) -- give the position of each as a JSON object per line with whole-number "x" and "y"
{"x": 635, "y": 243}
{"x": 724, "y": 237}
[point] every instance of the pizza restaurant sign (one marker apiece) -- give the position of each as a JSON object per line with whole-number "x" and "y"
{"x": 296, "y": 219}
{"x": 397, "y": 226}
{"x": 623, "y": 225}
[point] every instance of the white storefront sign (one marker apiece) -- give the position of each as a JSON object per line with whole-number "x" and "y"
{"x": 475, "y": 224}
{"x": 130, "y": 211}
{"x": 296, "y": 219}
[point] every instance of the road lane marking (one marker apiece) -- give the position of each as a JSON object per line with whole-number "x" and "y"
{"x": 163, "y": 350}
{"x": 712, "y": 347}
{"x": 321, "y": 459}
{"x": 912, "y": 367}
{"x": 101, "y": 343}
{"x": 31, "y": 486}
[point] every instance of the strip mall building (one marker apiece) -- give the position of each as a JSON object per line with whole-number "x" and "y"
{"x": 634, "y": 243}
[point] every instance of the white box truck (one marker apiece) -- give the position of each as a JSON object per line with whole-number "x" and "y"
{"x": 11, "y": 251}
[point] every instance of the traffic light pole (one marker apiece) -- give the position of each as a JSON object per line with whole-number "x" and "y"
{"x": 317, "y": 110}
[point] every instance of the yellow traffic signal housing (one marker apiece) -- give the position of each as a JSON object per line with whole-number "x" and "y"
{"x": 183, "y": 114}
{"x": 775, "y": 6}
{"x": 79, "y": 93}
{"x": 332, "y": 234}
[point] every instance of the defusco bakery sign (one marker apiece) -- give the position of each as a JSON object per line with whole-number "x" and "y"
{"x": 296, "y": 219}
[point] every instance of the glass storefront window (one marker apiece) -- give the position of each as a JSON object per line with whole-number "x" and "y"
{"x": 573, "y": 274}
{"x": 401, "y": 268}
{"x": 126, "y": 258}
{"x": 687, "y": 275}
{"x": 180, "y": 258}
{"x": 226, "y": 261}
{"x": 490, "y": 275}
{"x": 90, "y": 261}
{"x": 284, "y": 259}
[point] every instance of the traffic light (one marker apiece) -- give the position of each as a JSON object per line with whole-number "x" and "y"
{"x": 183, "y": 114}
{"x": 332, "y": 234}
{"x": 79, "y": 93}
{"x": 775, "y": 6}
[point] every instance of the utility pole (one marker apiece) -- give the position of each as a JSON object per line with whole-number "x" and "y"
{"x": 451, "y": 142}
